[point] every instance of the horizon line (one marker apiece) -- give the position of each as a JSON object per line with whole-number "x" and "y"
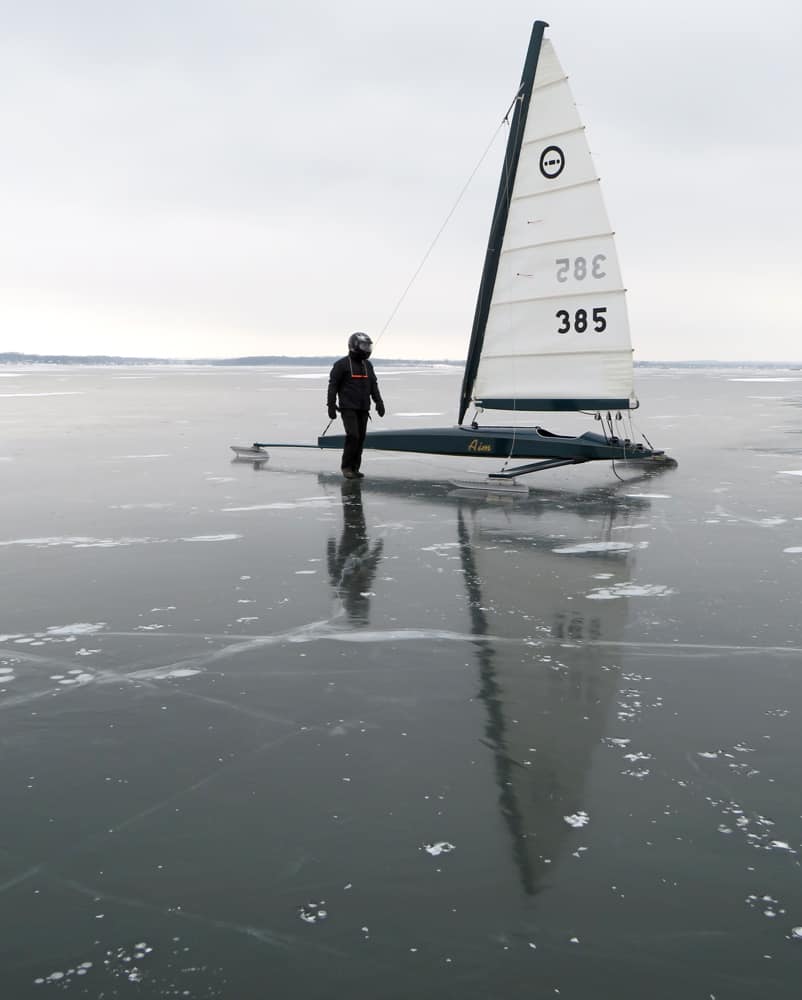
{"x": 18, "y": 357}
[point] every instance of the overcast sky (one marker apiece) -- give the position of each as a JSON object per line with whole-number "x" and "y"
{"x": 208, "y": 179}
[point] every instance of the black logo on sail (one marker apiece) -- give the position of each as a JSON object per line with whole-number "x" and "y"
{"x": 552, "y": 161}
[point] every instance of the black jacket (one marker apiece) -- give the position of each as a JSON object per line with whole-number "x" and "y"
{"x": 355, "y": 384}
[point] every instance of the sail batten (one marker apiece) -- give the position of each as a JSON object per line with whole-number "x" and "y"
{"x": 551, "y": 354}
{"x": 550, "y": 243}
{"x": 544, "y": 300}
{"x": 549, "y": 83}
{"x": 499, "y": 303}
{"x": 554, "y": 135}
{"x": 566, "y": 187}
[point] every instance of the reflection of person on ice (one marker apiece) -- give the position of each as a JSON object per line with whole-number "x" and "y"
{"x": 353, "y": 561}
{"x": 353, "y": 382}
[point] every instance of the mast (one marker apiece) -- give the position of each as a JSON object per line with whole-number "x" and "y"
{"x": 499, "y": 223}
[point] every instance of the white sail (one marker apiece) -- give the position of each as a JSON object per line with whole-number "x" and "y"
{"x": 557, "y": 333}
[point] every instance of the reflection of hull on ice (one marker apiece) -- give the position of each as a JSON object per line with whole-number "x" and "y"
{"x": 548, "y": 684}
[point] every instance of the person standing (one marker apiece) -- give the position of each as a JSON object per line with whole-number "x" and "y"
{"x": 353, "y": 383}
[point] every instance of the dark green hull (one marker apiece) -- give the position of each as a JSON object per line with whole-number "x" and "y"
{"x": 500, "y": 443}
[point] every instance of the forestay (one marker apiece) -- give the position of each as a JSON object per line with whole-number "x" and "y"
{"x": 557, "y": 333}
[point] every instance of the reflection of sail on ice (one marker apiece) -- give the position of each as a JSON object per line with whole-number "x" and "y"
{"x": 546, "y": 685}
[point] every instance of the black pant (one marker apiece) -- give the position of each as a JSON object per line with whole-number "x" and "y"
{"x": 356, "y": 426}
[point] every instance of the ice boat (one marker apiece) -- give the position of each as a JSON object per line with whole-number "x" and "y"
{"x": 550, "y": 330}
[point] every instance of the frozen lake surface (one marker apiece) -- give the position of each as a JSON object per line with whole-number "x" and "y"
{"x": 269, "y": 734}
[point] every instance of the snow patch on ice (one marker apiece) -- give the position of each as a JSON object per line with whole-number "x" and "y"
{"x": 211, "y": 538}
{"x": 139, "y": 506}
{"x": 30, "y": 394}
{"x": 441, "y": 847}
{"x": 282, "y": 505}
{"x": 167, "y": 675}
{"x": 313, "y": 912}
{"x": 390, "y": 635}
{"x": 78, "y": 679}
{"x": 57, "y": 977}
{"x": 80, "y": 542}
{"x": 761, "y": 522}
{"x": 781, "y": 845}
{"x": 586, "y": 547}
{"x": 577, "y": 819}
{"x": 77, "y": 628}
{"x": 630, "y": 590}
{"x": 789, "y": 472}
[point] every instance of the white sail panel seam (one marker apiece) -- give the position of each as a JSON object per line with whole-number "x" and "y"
{"x": 567, "y": 187}
{"x": 549, "y": 83}
{"x": 598, "y": 352}
{"x": 553, "y": 135}
{"x": 561, "y": 295}
{"x": 553, "y": 243}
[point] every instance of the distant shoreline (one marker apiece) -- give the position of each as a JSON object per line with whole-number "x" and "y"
{"x": 99, "y": 360}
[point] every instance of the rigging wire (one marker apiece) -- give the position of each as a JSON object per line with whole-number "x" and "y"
{"x": 439, "y": 233}
{"x": 508, "y": 197}
{"x": 639, "y": 432}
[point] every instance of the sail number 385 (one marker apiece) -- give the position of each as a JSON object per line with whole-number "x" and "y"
{"x": 579, "y": 321}
{"x": 581, "y": 267}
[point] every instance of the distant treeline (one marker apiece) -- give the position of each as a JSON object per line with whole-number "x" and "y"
{"x": 15, "y": 358}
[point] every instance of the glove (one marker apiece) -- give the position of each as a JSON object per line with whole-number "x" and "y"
{"x": 332, "y": 412}
{"x": 380, "y": 408}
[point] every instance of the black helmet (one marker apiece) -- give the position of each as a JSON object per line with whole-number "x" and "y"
{"x": 360, "y": 345}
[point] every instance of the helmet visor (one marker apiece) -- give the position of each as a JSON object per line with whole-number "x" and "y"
{"x": 360, "y": 345}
